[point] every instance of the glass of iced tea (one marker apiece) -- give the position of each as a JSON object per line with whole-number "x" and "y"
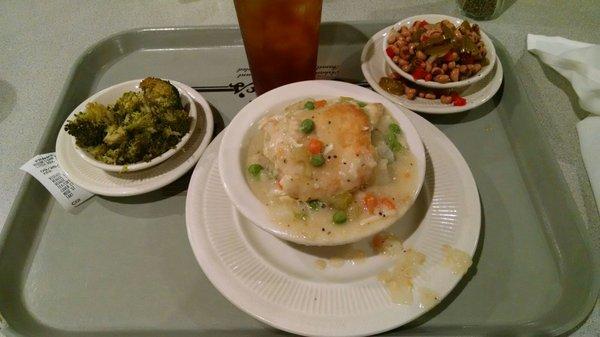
{"x": 281, "y": 38}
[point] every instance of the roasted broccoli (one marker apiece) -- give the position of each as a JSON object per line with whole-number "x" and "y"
{"x": 89, "y": 127}
{"x": 161, "y": 93}
{"x": 138, "y": 127}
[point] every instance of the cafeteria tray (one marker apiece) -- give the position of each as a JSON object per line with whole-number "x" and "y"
{"x": 124, "y": 267}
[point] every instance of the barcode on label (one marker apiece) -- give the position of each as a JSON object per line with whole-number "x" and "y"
{"x": 65, "y": 186}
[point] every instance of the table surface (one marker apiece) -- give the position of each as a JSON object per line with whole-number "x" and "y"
{"x": 40, "y": 41}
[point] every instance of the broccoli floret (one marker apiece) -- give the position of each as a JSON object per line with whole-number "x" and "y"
{"x": 139, "y": 121}
{"x": 115, "y": 135}
{"x": 137, "y": 148}
{"x": 86, "y": 132}
{"x": 97, "y": 151}
{"x": 113, "y": 156}
{"x": 89, "y": 126}
{"x": 161, "y": 93}
{"x": 177, "y": 120}
{"x": 129, "y": 102}
{"x": 97, "y": 112}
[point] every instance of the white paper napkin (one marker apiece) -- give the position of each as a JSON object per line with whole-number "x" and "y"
{"x": 578, "y": 62}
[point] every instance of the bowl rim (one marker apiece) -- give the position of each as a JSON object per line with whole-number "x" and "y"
{"x": 133, "y": 85}
{"x": 490, "y": 55}
{"x": 232, "y": 167}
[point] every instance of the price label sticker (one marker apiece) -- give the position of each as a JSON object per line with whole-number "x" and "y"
{"x": 45, "y": 169}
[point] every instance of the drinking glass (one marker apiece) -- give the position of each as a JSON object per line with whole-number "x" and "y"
{"x": 281, "y": 38}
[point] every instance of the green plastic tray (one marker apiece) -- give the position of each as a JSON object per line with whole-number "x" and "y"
{"x": 123, "y": 266}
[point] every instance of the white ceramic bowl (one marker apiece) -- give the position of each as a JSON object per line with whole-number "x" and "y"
{"x": 232, "y": 152}
{"x": 109, "y": 96}
{"x": 435, "y": 18}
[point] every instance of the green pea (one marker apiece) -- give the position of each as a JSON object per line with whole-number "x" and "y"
{"x": 255, "y": 169}
{"x": 307, "y": 126}
{"x": 315, "y": 204}
{"x": 339, "y": 217}
{"x": 309, "y": 105}
{"x": 361, "y": 104}
{"x": 317, "y": 160}
{"x": 395, "y": 128}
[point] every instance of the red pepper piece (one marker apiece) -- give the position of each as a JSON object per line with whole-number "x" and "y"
{"x": 459, "y": 101}
{"x": 419, "y": 74}
{"x": 390, "y": 52}
{"x": 448, "y": 56}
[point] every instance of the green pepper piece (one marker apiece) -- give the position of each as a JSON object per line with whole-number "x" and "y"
{"x": 438, "y": 50}
{"x": 466, "y": 25}
{"x": 301, "y": 215}
{"x": 395, "y": 128}
{"x": 433, "y": 41}
{"x": 416, "y": 35}
{"x": 392, "y": 142}
{"x": 447, "y": 32}
{"x": 341, "y": 200}
{"x": 392, "y": 86}
{"x": 468, "y": 47}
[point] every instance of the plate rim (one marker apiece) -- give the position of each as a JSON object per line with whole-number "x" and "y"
{"x": 494, "y": 84}
{"x": 233, "y": 290}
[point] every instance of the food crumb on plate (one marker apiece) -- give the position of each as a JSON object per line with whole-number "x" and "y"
{"x": 398, "y": 280}
{"x": 386, "y": 244}
{"x": 336, "y": 262}
{"x": 456, "y": 260}
{"x": 320, "y": 264}
{"x": 355, "y": 255}
{"x": 427, "y": 297}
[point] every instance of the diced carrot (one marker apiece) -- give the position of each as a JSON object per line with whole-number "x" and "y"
{"x": 320, "y": 103}
{"x": 315, "y": 146}
{"x": 370, "y": 202}
{"x": 387, "y": 202}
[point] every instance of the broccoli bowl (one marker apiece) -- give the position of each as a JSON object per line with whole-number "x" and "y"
{"x": 132, "y": 125}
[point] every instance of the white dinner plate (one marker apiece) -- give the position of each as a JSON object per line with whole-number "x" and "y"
{"x": 279, "y": 282}
{"x": 119, "y": 184}
{"x": 374, "y": 67}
